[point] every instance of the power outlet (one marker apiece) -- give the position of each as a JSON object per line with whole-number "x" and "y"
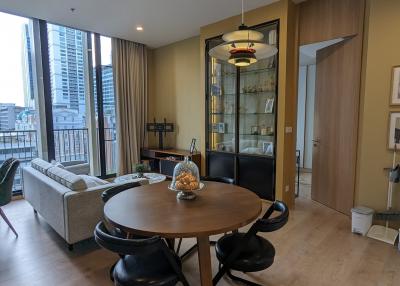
{"x": 287, "y": 188}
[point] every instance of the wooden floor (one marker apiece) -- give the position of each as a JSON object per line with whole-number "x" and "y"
{"x": 315, "y": 248}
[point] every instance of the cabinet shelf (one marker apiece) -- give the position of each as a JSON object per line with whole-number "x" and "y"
{"x": 243, "y": 134}
{"x": 248, "y": 134}
{"x": 250, "y": 113}
{"x": 271, "y": 92}
{"x": 243, "y": 72}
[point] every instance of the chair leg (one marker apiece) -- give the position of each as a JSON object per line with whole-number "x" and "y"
{"x": 241, "y": 280}
{"x": 112, "y": 271}
{"x": 179, "y": 246}
{"x": 3, "y": 215}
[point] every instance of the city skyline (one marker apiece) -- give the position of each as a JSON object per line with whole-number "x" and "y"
{"x": 66, "y": 60}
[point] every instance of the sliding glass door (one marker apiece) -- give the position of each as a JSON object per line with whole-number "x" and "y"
{"x": 66, "y": 49}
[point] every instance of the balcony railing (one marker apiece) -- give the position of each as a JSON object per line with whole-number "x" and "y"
{"x": 70, "y": 145}
{"x": 21, "y": 145}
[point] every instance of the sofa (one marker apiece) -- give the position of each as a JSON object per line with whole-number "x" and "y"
{"x": 70, "y": 203}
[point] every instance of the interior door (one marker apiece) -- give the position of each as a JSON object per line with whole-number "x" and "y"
{"x": 335, "y": 124}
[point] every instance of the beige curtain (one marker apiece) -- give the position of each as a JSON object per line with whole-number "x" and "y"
{"x": 130, "y": 77}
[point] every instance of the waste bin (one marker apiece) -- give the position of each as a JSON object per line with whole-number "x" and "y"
{"x": 361, "y": 219}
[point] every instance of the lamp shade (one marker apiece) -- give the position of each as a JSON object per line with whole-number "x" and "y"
{"x": 258, "y": 49}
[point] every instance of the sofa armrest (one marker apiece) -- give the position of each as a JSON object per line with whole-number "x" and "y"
{"x": 46, "y": 196}
{"x": 82, "y": 211}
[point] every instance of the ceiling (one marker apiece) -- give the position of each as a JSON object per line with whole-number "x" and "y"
{"x": 163, "y": 21}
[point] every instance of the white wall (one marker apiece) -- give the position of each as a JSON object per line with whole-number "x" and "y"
{"x": 309, "y": 126}
{"x": 301, "y": 109}
{"x": 305, "y": 114}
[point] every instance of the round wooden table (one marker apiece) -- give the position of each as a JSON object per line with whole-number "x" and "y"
{"x": 155, "y": 210}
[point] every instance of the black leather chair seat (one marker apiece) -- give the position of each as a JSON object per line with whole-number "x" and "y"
{"x": 146, "y": 271}
{"x": 257, "y": 255}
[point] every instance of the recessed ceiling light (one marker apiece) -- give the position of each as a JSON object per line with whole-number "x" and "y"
{"x": 139, "y": 28}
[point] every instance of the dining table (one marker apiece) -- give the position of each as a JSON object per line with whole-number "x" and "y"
{"x": 154, "y": 210}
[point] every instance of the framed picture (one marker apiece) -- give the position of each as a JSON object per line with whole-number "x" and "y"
{"x": 395, "y": 95}
{"x": 394, "y": 130}
{"x": 192, "y": 146}
{"x": 268, "y": 148}
{"x": 269, "y": 105}
{"x": 215, "y": 127}
{"x": 221, "y": 127}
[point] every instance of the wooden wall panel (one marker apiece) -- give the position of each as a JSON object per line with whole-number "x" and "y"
{"x": 322, "y": 20}
{"x": 336, "y": 124}
{"x": 337, "y": 97}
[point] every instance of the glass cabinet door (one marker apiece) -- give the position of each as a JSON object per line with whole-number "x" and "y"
{"x": 222, "y": 104}
{"x": 257, "y": 101}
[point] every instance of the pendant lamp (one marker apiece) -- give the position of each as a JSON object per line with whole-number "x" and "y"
{"x": 243, "y": 47}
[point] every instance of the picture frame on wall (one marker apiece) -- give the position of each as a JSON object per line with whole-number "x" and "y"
{"x": 394, "y": 130}
{"x": 395, "y": 91}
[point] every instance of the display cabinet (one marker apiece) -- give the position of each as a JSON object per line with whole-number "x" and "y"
{"x": 241, "y": 105}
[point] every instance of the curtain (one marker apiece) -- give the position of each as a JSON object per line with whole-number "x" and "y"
{"x": 130, "y": 80}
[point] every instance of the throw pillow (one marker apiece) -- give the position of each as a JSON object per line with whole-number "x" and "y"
{"x": 92, "y": 181}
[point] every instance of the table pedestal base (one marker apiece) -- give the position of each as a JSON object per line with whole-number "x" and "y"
{"x": 204, "y": 260}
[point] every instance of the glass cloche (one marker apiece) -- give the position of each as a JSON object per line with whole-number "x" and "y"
{"x": 186, "y": 179}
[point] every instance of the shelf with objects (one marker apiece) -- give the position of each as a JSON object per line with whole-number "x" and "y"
{"x": 241, "y": 118}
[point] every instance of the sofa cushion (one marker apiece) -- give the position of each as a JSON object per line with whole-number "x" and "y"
{"x": 41, "y": 165}
{"x": 92, "y": 181}
{"x": 57, "y": 164}
{"x": 66, "y": 178}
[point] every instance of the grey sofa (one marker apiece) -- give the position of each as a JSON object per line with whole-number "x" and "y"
{"x": 70, "y": 204}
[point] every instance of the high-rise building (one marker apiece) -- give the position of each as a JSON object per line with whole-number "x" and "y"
{"x": 27, "y": 68}
{"x": 108, "y": 95}
{"x": 108, "y": 89}
{"x": 8, "y": 115}
{"x": 66, "y": 53}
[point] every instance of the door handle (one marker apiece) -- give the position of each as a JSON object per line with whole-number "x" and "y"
{"x": 315, "y": 142}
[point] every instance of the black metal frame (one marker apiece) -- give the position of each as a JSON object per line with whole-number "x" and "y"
{"x": 44, "y": 46}
{"x": 100, "y": 109}
{"x": 236, "y": 155}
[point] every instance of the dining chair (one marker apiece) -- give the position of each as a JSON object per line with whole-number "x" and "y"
{"x": 249, "y": 252}
{"x": 7, "y": 173}
{"x": 224, "y": 180}
{"x": 109, "y": 193}
{"x": 142, "y": 261}
{"x": 105, "y": 196}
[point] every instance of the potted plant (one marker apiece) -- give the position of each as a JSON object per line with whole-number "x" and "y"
{"x": 140, "y": 169}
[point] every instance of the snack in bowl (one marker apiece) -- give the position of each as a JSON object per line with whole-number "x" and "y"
{"x": 186, "y": 181}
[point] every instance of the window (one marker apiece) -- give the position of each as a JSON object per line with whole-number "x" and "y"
{"x": 66, "y": 84}
{"x": 108, "y": 104}
{"x": 105, "y": 102}
{"x": 19, "y": 122}
{"x": 68, "y": 95}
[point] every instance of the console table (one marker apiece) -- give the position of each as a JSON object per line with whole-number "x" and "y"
{"x": 164, "y": 161}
